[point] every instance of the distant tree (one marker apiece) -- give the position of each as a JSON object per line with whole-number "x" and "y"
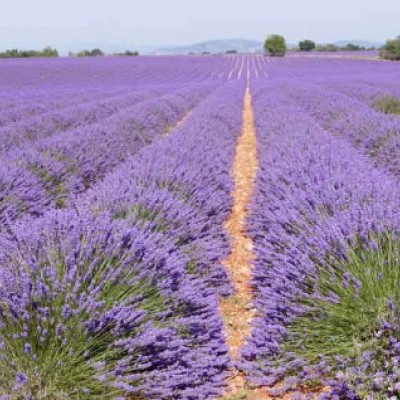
{"x": 83, "y": 53}
{"x": 97, "y": 53}
{"x": 275, "y": 45}
{"x": 231, "y": 52}
{"x": 49, "y": 52}
{"x": 15, "y": 53}
{"x": 128, "y": 53}
{"x": 90, "y": 53}
{"x": 327, "y": 47}
{"x": 353, "y": 47}
{"x": 391, "y": 50}
{"x": 307, "y": 45}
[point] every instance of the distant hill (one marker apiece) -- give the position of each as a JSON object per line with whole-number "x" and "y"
{"x": 214, "y": 47}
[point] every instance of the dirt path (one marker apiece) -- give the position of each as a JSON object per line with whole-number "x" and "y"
{"x": 237, "y": 310}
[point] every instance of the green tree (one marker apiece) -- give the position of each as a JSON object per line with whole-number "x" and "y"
{"x": 328, "y": 47}
{"x": 275, "y": 45}
{"x": 90, "y": 53}
{"x": 128, "y": 53}
{"x": 353, "y": 47}
{"x": 307, "y": 45}
{"x": 96, "y": 53}
{"x": 49, "y": 52}
{"x": 391, "y": 50}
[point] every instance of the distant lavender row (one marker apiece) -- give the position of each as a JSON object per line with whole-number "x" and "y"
{"x": 54, "y": 170}
{"x": 30, "y": 103}
{"x": 75, "y": 116}
{"x": 33, "y": 86}
{"x": 366, "y": 91}
{"x": 111, "y": 71}
{"x": 316, "y": 200}
{"x": 376, "y": 134}
{"x": 324, "y": 70}
{"x": 104, "y": 301}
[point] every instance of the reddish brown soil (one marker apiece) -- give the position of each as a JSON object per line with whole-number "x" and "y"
{"x": 238, "y": 311}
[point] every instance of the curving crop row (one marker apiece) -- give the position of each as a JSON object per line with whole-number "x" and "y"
{"x": 374, "y": 133}
{"x": 72, "y": 117}
{"x": 17, "y": 106}
{"x": 54, "y": 170}
{"x": 325, "y": 225}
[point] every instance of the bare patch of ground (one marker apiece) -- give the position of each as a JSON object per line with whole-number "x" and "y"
{"x": 237, "y": 310}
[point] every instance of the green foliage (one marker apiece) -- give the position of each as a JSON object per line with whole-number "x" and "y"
{"x": 57, "y": 368}
{"x": 391, "y": 50}
{"x": 328, "y": 47}
{"x": 387, "y": 105}
{"x": 128, "y": 53}
{"x": 356, "y": 295}
{"x": 231, "y": 52}
{"x": 90, "y": 53}
{"x": 275, "y": 45}
{"x": 307, "y": 45}
{"x": 352, "y": 47}
{"x": 333, "y": 48}
{"x": 15, "y": 53}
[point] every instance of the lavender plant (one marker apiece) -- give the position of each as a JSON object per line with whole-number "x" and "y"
{"x": 94, "y": 309}
{"x": 348, "y": 320}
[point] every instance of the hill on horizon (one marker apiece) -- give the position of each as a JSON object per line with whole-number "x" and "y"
{"x": 214, "y": 47}
{"x": 243, "y": 46}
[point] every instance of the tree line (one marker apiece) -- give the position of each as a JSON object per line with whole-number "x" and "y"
{"x": 275, "y": 45}
{"x": 50, "y": 52}
{"x": 16, "y": 53}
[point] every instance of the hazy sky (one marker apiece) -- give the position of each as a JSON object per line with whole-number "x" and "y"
{"x": 25, "y": 23}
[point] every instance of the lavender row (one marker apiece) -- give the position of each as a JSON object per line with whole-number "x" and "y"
{"x": 73, "y": 117}
{"x": 25, "y": 104}
{"x": 186, "y": 191}
{"x": 324, "y": 224}
{"x": 367, "y": 92}
{"x": 376, "y": 134}
{"x": 53, "y": 171}
{"x": 106, "y": 300}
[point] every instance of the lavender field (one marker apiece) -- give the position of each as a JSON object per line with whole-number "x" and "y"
{"x": 199, "y": 227}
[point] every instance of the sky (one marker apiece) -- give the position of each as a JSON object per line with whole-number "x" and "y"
{"x": 155, "y": 23}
